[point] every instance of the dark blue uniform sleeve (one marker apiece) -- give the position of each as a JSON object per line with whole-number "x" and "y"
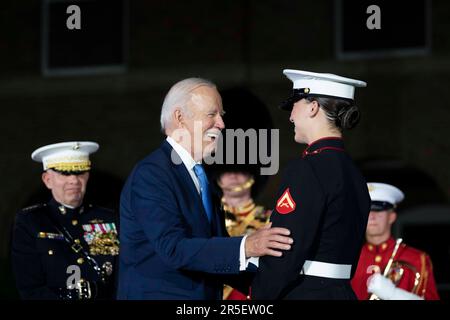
{"x": 156, "y": 208}
{"x": 26, "y": 260}
{"x": 299, "y": 207}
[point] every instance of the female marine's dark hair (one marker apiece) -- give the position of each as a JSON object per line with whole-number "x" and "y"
{"x": 343, "y": 114}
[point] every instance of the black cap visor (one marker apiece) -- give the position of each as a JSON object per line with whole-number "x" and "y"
{"x": 69, "y": 173}
{"x": 288, "y": 104}
{"x": 298, "y": 94}
{"x": 381, "y": 206}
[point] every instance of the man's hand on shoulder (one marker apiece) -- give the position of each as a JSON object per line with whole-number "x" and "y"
{"x": 268, "y": 241}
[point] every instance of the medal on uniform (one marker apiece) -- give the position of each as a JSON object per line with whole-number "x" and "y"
{"x": 102, "y": 238}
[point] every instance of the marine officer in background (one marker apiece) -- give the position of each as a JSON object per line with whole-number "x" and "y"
{"x": 65, "y": 249}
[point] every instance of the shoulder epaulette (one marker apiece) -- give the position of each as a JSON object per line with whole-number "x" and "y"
{"x": 33, "y": 207}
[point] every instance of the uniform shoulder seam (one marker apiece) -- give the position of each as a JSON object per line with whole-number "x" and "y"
{"x": 33, "y": 207}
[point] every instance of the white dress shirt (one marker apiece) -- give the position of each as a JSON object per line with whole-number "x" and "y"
{"x": 189, "y": 163}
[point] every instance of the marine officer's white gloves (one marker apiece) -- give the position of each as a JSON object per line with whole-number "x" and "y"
{"x": 386, "y": 290}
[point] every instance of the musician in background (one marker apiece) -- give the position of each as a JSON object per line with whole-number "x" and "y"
{"x": 388, "y": 269}
{"x": 242, "y": 215}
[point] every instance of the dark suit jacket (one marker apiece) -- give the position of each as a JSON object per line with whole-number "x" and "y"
{"x": 169, "y": 250}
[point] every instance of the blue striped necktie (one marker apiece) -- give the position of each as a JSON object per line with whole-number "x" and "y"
{"x": 204, "y": 190}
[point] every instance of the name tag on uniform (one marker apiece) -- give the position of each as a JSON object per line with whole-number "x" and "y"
{"x": 49, "y": 235}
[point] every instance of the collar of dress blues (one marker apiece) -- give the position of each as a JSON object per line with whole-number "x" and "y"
{"x": 65, "y": 210}
{"x": 327, "y": 143}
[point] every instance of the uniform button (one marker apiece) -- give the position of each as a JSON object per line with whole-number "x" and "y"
{"x": 370, "y": 247}
{"x": 384, "y": 246}
{"x": 377, "y": 258}
{"x": 80, "y": 260}
{"x": 50, "y": 252}
{"x": 74, "y": 222}
{"x": 77, "y": 241}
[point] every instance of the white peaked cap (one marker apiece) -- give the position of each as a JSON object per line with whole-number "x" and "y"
{"x": 66, "y": 156}
{"x": 385, "y": 192}
{"x": 324, "y": 83}
{"x": 306, "y": 83}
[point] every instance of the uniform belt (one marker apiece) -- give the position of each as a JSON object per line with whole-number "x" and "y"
{"x": 326, "y": 270}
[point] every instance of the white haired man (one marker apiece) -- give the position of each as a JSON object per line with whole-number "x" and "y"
{"x": 173, "y": 239}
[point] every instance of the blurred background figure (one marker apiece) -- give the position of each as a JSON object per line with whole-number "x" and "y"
{"x": 239, "y": 185}
{"x": 404, "y": 267}
{"x": 242, "y": 215}
{"x": 65, "y": 248}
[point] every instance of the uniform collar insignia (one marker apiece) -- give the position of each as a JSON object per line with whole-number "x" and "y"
{"x": 62, "y": 209}
{"x": 332, "y": 143}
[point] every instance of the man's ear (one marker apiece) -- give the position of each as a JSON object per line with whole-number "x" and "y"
{"x": 47, "y": 179}
{"x": 178, "y": 118}
{"x": 392, "y": 217}
{"x": 313, "y": 108}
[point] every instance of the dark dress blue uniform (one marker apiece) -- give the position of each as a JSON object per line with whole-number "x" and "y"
{"x": 41, "y": 256}
{"x": 324, "y": 201}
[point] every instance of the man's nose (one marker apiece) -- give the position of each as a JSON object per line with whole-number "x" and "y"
{"x": 219, "y": 122}
{"x": 73, "y": 178}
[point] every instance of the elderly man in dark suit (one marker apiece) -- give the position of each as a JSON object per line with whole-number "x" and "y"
{"x": 173, "y": 240}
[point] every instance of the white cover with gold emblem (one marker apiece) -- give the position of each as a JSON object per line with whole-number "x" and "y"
{"x": 66, "y": 156}
{"x": 385, "y": 192}
{"x": 324, "y": 83}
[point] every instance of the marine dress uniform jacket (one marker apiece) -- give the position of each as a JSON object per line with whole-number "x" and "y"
{"x": 41, "y": 256}
{"x": 325, "y": 203}
{"x": 169, "y": 249}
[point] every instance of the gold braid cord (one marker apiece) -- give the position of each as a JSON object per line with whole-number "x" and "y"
{"x": 423, "y": 276}
{"x": 70, "y": 166}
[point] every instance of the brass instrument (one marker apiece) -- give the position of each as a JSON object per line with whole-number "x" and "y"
{"x": 399, "y": 268}
{"x": 387, "y": 270}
